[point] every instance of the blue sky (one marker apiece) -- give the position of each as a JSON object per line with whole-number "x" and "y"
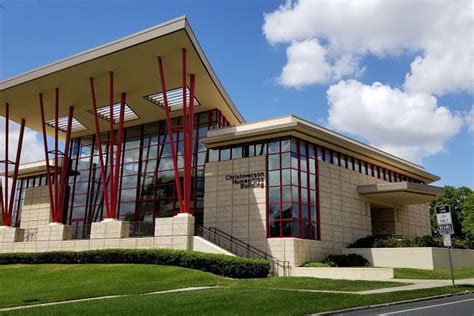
{"x": 248, "y": 63}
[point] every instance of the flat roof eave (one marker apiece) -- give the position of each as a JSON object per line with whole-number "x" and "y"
{"x": 291, "y": 125}
{"x": 133, "y": 61}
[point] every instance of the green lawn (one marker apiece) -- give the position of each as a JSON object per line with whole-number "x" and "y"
{"x": 230, "y": 301}
{"x": 33, "y": 284}
{"x": 29, "y": 284}
{"x": 405, "y": 273}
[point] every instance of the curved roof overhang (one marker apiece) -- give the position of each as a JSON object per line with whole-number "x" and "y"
{"x": 133, "y": 60}
{"x": 293, "y": 126}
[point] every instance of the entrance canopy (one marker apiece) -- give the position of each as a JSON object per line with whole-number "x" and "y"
{"x": 400, "y": 193}
{"x": 133, "y": 61}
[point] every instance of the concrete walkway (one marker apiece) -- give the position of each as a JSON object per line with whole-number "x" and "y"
{"x": 413, "y": 285}
{"x": 187, "y": 289}
{"x": 417, "y": 285}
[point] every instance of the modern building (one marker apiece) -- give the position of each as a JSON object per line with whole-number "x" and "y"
{"x": 283, "y": 188}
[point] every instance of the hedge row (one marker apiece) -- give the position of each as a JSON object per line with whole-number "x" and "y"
{"x": 345, "y": 260}
{"x": 234, "y": 267}
{"x": 408, "y": 241}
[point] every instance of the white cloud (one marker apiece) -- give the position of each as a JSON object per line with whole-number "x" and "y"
{"x": 469, "y": 118}
{"x": 32, "y": 149}
{"x": 309, "y": 64}
{"x": 342, "y": 32}
{"x": 409, "y": 125}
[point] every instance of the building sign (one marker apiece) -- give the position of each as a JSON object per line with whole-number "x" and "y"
{"x": 255, "y": 180}
{"x": 445, "y": 223}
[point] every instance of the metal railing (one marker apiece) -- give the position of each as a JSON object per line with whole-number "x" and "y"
{"x": 241, "y": 248}
{"x": 142, "y": 229}
{"x": 31, "y": 234}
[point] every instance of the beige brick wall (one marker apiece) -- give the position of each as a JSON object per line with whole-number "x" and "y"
{"x": 35, "y": 211}
{"x": 412, "y": 220}
{"x": 236, "y": 211}
{"x": 345, "y": 216}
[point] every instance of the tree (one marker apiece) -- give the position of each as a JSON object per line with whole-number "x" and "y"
{"x": 468, "y": 216}
{"x": 454, "y": 197}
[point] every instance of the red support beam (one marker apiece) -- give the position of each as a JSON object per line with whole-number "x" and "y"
{"x": 7, "y": 197}
{"x": 2, "y": 207}
{"x": 15, "y": 170}
{"x": 56, "y": 148}
{"x": 190, "y": 133}
{"x": 170, "y": 135}
{"x": 118, "y": 159}
{"x": 46, "y": 155}
{"x": 7, "y": 159}
{"x": 58, "y": 216}
{"x": 99, "y": 144}
{"x": 112, "y": 188}
{"x": 185, "y": 134}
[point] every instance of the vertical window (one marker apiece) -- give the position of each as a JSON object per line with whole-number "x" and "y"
{"x": 292, "y": 189}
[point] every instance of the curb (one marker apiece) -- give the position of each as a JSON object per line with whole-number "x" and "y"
{"x": 421, "y": 299}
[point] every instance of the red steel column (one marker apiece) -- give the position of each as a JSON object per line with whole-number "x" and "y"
{"x": 7, "y": 161}
{"x": 170, "y": 135}
{"x": 15, "y": 170}
{"x": 64, "y": 169}
{"x": 185, "y": 135}
{"x": 111, "y": 143}
{"x": 99, "y": 143}
{"x": 56, "y": 130}
{"x": 4, "y": 214}
{"x": 118, "y": 159}
{"x": 190, "y": 133}
{"x": 46, "y": 154}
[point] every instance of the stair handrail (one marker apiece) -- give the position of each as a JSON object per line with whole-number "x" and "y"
{"x": 243, "y": 245}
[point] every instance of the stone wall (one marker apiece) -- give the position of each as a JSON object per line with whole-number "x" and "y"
{"x": 344, "y": 215}
{"x": 35, "y": 211}
{"x": 413, "y": 220}
{"x": 236, "y": 211}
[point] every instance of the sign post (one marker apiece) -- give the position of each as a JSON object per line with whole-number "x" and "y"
{"x": 445, "y": 229}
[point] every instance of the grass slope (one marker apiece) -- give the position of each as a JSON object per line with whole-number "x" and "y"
{"x": 230, "y": 301}
{"x": 32, "y": 284}
{"x": 405, "y": 273}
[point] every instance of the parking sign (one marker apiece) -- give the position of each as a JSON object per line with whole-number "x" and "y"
{"x": 445, "y": 222}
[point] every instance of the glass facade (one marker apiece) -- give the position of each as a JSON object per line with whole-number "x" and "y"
{"x": 147, "y": 187}
{"x": 292, "y": 189}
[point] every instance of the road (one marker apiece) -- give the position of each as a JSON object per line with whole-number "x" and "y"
{"x": 460, "y": 305}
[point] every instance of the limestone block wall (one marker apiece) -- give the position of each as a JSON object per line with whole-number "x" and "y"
{"x": 344, "y": 216}
{"x": 412, "y": 220}
{"x": 35, "y": 211}
{"x": 240, "y": 212}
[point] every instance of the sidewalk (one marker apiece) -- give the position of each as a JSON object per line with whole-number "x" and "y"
{"x": 417, "y": 285}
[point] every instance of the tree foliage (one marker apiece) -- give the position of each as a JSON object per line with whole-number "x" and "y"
{"x": 455, "y": 198}
{"x": 468, "y": 216}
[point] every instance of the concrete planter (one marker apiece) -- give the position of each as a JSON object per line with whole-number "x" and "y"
{"x": 370, "y": 274}
{"x": 428, "y": 258}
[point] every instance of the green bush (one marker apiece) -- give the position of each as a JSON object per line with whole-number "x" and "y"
{"x": 234, "y": 267}
{"x": 315, "y": 264}
{"x": 349, "y": 260}
{"x": 390, "y": 241}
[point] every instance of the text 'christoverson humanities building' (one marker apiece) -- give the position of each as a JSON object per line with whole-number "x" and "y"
{"x": 283, "y": 188}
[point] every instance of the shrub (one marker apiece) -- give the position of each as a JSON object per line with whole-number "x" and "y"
{"x": 234, "y": 267}
{"x": 349, "y": 260}
{"x": 315, "y": 264}
{"x": 391, "y": 241}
